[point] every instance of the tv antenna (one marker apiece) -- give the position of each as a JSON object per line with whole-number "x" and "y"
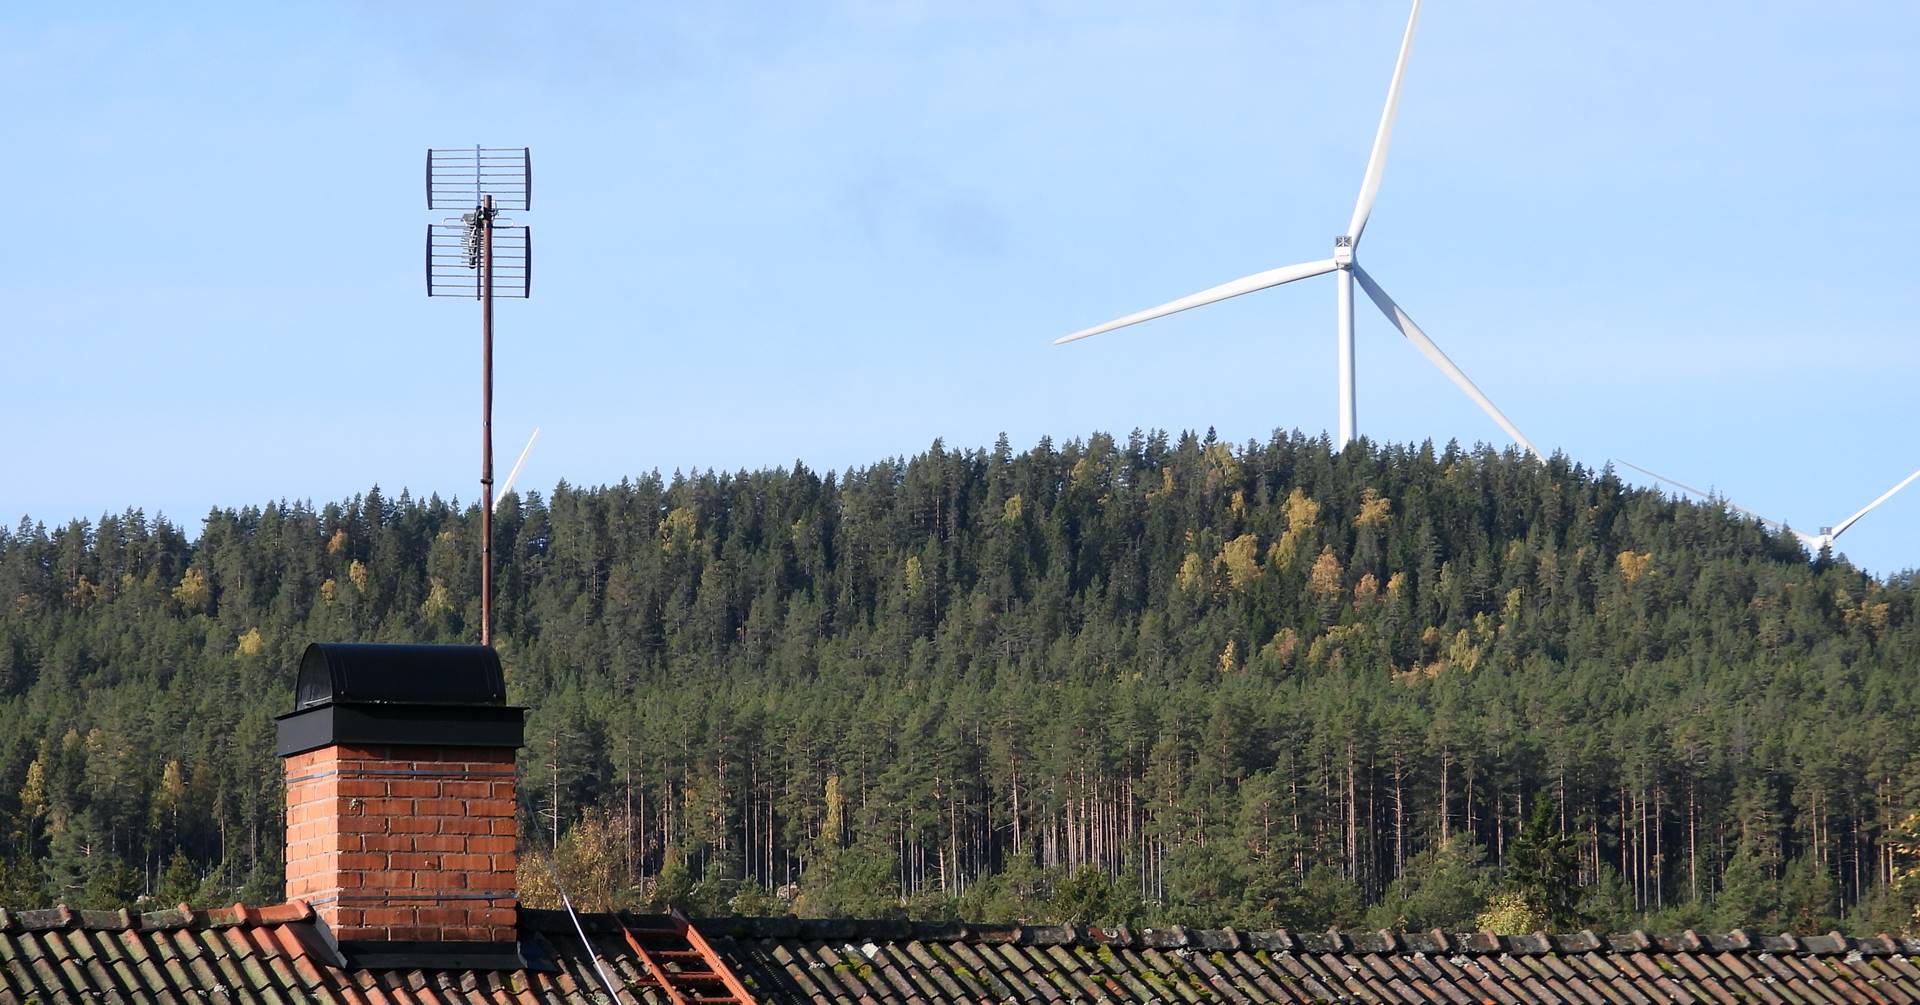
{"x": 480, "y": 255}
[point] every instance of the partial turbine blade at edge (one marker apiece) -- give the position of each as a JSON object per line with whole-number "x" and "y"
{"x": 1382, "y": 137}
{"x": 1224, "y": 291}
{"x": 1773, "y": 525}
{"x": 1841, "y": 527}
{"x": 1436, "y": 357}
{"x": 507, "y": 486}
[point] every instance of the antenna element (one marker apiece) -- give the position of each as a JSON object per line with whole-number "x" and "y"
{"x": 481, "y": 255}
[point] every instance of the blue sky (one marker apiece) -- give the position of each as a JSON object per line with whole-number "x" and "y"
{"x": 833, "y": 233}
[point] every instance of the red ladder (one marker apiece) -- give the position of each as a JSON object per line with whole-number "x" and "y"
{"x": 684, "y": 964}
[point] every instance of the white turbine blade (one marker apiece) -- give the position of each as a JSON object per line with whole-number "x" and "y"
{"x": 1435, "y": 356}
{"x": 1377, "y": 161}
{"x": 1774, "y": 525}
{"x": 507, "y": 486}
{"x": 1682, "y": 486}
{"x": 1224, "y": 291}
{"x": 1841, "y": 527}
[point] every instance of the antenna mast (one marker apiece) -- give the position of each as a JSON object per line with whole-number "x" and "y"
{"x": 462, "y": 261}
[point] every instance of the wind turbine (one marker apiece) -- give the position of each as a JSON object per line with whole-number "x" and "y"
{"x": 1346, "y": 271}
{"x": 508, "y": 484}
{"x": 1813, "y": 542}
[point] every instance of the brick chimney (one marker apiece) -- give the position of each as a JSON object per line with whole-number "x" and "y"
{"x": 400, "y": 803}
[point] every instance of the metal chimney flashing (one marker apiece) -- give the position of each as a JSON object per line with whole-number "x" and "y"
{"x": 377, "y": 955}
{"x": 413, "y": 725}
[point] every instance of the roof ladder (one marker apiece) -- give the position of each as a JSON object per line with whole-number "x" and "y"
{"x": 683, "y": 963}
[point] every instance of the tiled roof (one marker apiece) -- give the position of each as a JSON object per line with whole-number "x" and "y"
{"x": 878, "y": 962}
{"x": 279, "y": 954}
{"x": 239, "y": 954}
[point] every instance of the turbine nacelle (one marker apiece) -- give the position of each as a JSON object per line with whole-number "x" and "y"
{"x": 1343, "y": 252}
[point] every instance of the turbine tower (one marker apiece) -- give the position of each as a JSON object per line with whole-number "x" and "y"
{"x": 1813, "y": 542}
{"x": 1346, "y": 272}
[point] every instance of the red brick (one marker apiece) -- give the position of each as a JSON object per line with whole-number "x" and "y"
{"x": 358, "y": 752}
{"x": 487, "y": 755}
{"x": 414, "y": 861}
{"x": 490, "y": 844}
{"x": 442, "y": 843}
{"x": 414, "y": 789}
{"x": 443, "y": 915}
{"x": 382, "y": 916}
{"x": 369, "y": 825}
{"x": 415, "y": 825}
{"x": 465, "y": 790}
{"x": 389, "y": 879}
{"x": 440, "y": 807}
{"x": 362, "y": 787}
{"x": 309, "y": 831}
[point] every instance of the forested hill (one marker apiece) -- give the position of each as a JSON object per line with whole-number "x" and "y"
{"x": 1152, "y": 680}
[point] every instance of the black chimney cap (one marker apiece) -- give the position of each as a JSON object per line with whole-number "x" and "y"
{"x": 353, "y": 673}
{"x": 406, "y": 694}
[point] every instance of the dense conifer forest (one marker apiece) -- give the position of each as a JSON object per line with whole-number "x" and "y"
{"x": 1152, "y": 680}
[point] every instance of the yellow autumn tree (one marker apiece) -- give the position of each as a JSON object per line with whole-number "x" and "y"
{"x": 1191, "y": 574}
{"x": 1240, "y": 557}
{"x": 439, "y": 601}
{"x": 251, "y": 643}
{"x": 170, "y": 797}
{"x": 679, "y": 531}
{"x": 1326, "y": 576}
{"x": 1364, "y": 591}
{"x": 590, "y": 864}
{"x": 1221, "y": 467}
{"x": 1279, "y": 650}
{"x": 915, "y": 580}
{"x": 1374, "y": 509}
{"x": 33, "y": 794}
{"x": 1903, "y": 848}
{"x": 193, "y": 592}
{"x": 1301, "y": 512}
{"x": 1633, "y": 564}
